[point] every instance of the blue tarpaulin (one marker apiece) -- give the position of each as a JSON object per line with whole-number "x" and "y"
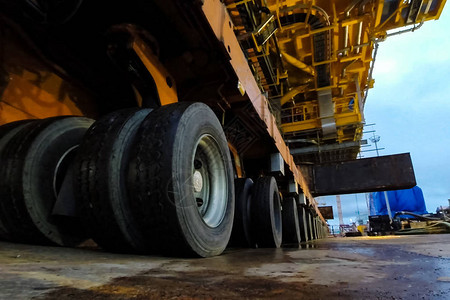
{"x": 410, "y": 200}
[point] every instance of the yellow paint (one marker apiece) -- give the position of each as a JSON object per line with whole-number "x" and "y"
{"x": 348, "y": 58}
{"x": 439, "y": 10}
{"x": 39, "y": 100}
{"x": 300, "y": 126}
{"x": 32, "y": 89}
{"x": 167, "y": 92}
{"x": 385, "y": 237}
{"x": 362, "y": 228}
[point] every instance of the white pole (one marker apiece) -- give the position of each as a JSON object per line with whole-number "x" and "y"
{"x": 388, "y": 206}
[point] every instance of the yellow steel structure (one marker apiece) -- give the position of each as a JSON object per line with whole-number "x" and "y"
{"x": 34, "y": 88}
{"x": 165, "y": 85}
{"x": 326, "y": 48}
{"x": 31, "y": 88}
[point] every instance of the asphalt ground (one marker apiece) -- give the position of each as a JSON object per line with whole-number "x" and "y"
{"x": 388, "y": 267}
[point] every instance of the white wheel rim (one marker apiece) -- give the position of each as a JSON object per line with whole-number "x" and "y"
{"x": 209, "y": 181}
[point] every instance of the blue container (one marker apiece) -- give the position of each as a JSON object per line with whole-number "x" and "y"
{"x": 410, "y": 200}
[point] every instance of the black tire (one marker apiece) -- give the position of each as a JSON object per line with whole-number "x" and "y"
{"x": 266, "y": 213}
{"x": 100, "y": 181}
{"x": 7, "y": 132}
{"x": 31, "y": 162}
{"x": 178, "y": 213}
{"x": 291, "y": 230}
{"x": 241, "y": 233}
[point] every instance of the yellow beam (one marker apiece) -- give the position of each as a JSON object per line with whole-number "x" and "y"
{"x": 347, "y": 119}
{"x": 301, "y": 126}
{"x": 292, "y": 93}
{"x": 165, "y": 85}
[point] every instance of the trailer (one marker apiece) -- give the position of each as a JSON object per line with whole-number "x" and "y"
{"x": 170, "y": 126}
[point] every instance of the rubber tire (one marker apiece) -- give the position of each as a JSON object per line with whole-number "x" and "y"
{"x": 101, "y": 168}
{"x": 7, "y": 132}
{"x": 241, "y": 233}
{"x": 165, "y": 204}
{"x": 266, "y": 213}
{"x": 291, "y": 229}
{"x": 28, "y": 162}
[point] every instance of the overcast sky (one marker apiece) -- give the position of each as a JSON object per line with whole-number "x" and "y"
{"x": 410, "y": 104}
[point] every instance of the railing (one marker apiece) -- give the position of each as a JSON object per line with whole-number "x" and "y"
{"x": 305, "y": 115}
{"x": 300, "y": 113}
{"x": 346, "y": 105}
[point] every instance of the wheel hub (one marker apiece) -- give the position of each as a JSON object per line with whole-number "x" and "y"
{"x": 209, "y": 182}
{"x": 198, "y": 181}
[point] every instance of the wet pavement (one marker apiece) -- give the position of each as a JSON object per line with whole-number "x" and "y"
{"x": 390, "y": 267}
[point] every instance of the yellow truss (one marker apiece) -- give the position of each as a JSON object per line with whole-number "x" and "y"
{"x": 351, "y": 28}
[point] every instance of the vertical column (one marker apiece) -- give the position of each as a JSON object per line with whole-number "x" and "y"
{"x": 316, "y": 227}
{"x": 302, "y": 221}
{"x": 316, "y": 236}
{"x": 309, "y": 224}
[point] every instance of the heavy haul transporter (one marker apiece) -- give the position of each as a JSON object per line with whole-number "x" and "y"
{"x": 208, "y": 113}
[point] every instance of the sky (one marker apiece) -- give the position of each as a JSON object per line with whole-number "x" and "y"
{"x": 410, "y": 105}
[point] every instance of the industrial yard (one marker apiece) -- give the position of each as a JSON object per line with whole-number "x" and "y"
{"x": 181, "y": 149}
{"x": 388, "y": 267}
